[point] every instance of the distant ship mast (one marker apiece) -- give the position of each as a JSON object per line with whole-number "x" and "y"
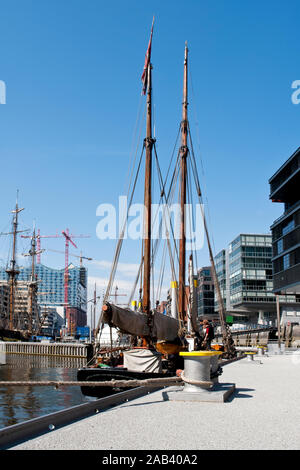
{"x": 12, "y": 271}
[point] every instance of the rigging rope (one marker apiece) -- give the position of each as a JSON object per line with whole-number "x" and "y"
{"x": 119, "y": 246}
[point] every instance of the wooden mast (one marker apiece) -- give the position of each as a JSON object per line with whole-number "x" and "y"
{"x": 33, "y": 284}
{"x": 183, "y": 174}
{"x": 13, "y": 271}
{"x": 147, "y": 198}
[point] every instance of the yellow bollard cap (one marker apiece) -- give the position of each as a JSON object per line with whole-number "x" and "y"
{"x": 200, "y": 353}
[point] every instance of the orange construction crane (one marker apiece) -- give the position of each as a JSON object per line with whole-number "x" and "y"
{"x": 68, "y": 239}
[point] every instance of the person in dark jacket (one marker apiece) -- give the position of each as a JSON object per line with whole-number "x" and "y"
{"x": 209, "y": 335}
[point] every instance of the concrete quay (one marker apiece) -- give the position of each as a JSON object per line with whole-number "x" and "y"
{"x": 263, "y": 413}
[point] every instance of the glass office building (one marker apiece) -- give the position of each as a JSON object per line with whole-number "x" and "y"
{"x": 244, "y": 272}
{"x": 220, "y": 265}
{"x": 206, "y": 302}
{"x": 284, "y": 188}
{"x": 51, "y": 284}
{"x": 250, "y": 270}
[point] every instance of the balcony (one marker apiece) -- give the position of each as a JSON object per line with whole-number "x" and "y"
{"x": 288, "y": 280}
{"x": 290, "y": 210}
{"x": 284, "y": 183}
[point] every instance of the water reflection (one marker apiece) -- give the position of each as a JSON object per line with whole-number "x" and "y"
{"x": 20, "y": 404}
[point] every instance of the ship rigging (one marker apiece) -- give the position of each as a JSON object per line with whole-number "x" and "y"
{"x": 165, "y": 333}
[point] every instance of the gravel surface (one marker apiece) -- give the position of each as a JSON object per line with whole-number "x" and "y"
{"x": 263, "y": 413}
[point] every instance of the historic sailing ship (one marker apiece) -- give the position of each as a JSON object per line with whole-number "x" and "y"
{"x": 19, "y": 312}
{"x": 160, "y": 337}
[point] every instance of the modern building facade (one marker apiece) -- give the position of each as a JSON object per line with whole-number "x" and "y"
{"x": 244, "y": 271}
{"x": 206, "y": 296}
{"x": 21, "y": 308}
{"x": 52, "y": 320}
{"x": 284, "y": 188}
{"x": 250, "y": 272}
{"x": 221, "y": 265}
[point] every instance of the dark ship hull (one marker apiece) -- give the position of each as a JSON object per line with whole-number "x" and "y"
{"x": 13, "y": 335}
{"x": 113, "y": 373}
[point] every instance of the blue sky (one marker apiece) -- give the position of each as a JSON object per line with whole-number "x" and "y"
{"x": 72, "y": 70}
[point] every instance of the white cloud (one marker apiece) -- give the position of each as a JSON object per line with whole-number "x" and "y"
{"x": 128, "y": 269}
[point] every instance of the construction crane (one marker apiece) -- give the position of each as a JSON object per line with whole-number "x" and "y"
{"x": 39, "y": 236}
{"x": 68, "y": 239}
{"x": 81, "y": 257}
{"x": 38, "y": 243}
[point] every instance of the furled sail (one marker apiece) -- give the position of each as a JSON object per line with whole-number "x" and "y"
{"x": 162, "y": 328}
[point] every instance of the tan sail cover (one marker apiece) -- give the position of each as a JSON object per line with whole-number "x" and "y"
{"x": 136, "y": 323}
{"x": 143, "y": 360}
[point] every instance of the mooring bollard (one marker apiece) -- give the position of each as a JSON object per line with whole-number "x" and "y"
{"x": 261, "y": 350}
{"x": 198, "y": 385}
{"x": 250, "y": 356}
{"x": 214, "y": 361}
{"x": 197, "y": 369}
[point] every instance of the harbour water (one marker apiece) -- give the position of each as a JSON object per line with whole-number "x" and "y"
{"x": 19, "y": 404}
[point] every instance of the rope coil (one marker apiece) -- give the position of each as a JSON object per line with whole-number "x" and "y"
{"x": 201, "y": 383}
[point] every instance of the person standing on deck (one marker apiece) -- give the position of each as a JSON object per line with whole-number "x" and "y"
{"x": 209, "y": 335}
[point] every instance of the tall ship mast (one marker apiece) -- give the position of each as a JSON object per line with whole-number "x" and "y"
{"x": 148, "y": 143}
{"x": 13, "y": 271}
{"x": 22, "y": 315}
{"x": 33, "y": 317}
{"x": 183, "y": 176}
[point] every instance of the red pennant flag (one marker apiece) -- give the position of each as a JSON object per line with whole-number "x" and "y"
{"x": 147, "y": 62}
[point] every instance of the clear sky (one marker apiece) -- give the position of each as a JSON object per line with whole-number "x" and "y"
{"x": 72, "y": 70}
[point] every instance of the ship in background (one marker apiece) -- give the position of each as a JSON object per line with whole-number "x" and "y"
{"x": 41, "y": 302}
{"x": 17, "y": 297}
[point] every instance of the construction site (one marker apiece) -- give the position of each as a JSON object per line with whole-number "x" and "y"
{"x": 38, "y": 301}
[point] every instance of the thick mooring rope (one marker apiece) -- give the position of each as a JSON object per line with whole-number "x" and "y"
{"x": 111, "y": 383}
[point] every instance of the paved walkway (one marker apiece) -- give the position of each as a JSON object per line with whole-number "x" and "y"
{"x": 264, "y": 413}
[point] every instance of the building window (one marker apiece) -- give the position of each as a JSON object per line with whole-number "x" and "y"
{"x": 286, "y": 261}
{"x": 290, "y": 226}
{"x": 280, "y": 246}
